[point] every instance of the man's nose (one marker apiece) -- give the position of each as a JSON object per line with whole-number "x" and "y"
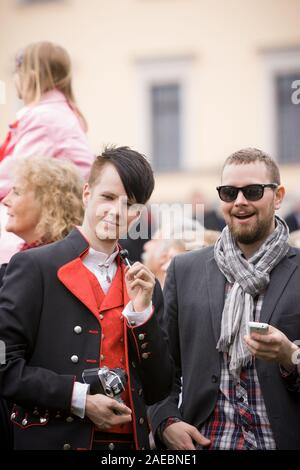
{"x": 240, "y": 199}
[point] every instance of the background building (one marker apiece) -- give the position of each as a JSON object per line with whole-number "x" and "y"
{"x": 185, "y": 81}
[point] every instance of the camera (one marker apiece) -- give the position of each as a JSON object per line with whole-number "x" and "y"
{"x": 109, "y": 382}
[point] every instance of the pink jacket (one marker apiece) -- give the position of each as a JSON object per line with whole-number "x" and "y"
{"x": 50, "y": 128}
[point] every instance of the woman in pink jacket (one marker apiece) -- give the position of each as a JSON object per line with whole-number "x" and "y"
{"x": 50, "y": 124}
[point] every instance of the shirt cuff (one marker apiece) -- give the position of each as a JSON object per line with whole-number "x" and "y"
{"x": 294, "y": 369}
{"x": 287, "y": 372}
{"x": 80, "y": 392}
{"x": 166, "y": 423}
{"x": 138, "y": 318}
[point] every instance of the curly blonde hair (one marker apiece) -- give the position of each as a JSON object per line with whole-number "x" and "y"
{"x": 57, "y": 186}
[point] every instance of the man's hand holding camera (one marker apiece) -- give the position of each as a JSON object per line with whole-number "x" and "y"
{"x": 106, "y": 412}
{"x": 102, "y": 410}
{"x": 140, "y": 284}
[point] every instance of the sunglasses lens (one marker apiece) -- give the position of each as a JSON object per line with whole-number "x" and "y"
{"x": 228, "y": 193}
{"x": 253, "y": 192}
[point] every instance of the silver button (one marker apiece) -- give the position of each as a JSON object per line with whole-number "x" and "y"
{"x": 58, "y": 415}
{"x": 36, "y": 412}
{"x": 101, "y": 316}
{"x": 12, "y": 416}
{"x": 133, "y": 364}
{"x": 145, "y": 355}
{"x": 102, "y": 336}
{"x": 132, "y": 323}
{"x": 43, "y": 420}
{"x": 24, "y": 422}
{"x": 74, "y": 359}
{"x": 111, "y": 446}
{"x": 78, "y": 329}
{"x": 141, "y": 420}
{"x": 144, "y": 345}
{"x": 66, "y": 447}
{"x": 102, "y": 357}
{"x": 140, "y": 391}
{"x": 69, "y": 419}
{"x": 141, "y": 337}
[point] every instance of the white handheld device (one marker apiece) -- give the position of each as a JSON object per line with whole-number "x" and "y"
{"x": 258, "y": 327}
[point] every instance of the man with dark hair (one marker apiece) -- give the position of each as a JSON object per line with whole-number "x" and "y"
{"x": 240, "y": 389}
{"x": 71, "y": 312}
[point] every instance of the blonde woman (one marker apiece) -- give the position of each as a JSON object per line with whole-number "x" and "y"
{"x": 50, "y": 124}
{"x": 45, "y": 201}
{"x": 43, "y": 206}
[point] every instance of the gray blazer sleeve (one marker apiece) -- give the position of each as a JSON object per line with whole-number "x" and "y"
{"x": 169, "y": 407}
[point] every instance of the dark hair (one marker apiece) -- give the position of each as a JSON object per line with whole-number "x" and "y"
{"x": 134, "y": 170}
{"x": 252, "y": 155}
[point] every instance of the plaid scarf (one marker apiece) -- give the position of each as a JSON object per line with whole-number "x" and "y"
{"x": 249, "y": 278}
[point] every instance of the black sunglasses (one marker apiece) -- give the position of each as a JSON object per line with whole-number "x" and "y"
{"x": 252, "y": 192}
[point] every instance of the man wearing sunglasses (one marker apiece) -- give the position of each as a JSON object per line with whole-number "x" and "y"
{"x": 239, "y": 390}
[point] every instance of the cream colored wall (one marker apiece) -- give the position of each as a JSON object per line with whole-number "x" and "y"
{"x": 106, "y": 38}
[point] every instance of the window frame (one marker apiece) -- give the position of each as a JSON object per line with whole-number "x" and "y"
{"x": 277, "y": 62}
{"x": 164, "y": 71}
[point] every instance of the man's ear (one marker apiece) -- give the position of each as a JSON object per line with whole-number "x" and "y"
{"x": 279, "y": 195}
{"x": 86, "y": 193}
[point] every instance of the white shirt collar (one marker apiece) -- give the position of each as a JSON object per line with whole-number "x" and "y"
{"x": 99, "y": 258}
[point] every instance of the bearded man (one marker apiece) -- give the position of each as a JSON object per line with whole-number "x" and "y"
{"x": 240, "y": 390}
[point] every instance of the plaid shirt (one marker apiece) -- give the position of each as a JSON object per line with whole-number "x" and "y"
{"x": 239, "y": 420}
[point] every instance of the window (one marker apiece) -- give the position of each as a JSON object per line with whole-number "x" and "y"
{"x": 165, "y": 127}
{"x": 288, "y": 119}
{"x": 283, "y": 113}
{"x": 36, "y": 1}
{"x": 164, "y": 92}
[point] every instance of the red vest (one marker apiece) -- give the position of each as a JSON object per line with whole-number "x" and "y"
{"x": 113, "y": 353}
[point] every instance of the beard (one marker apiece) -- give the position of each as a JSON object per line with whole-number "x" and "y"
{"x": 257, "y": 231}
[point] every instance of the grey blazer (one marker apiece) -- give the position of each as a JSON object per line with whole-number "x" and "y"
{"x": 194, "y": 297}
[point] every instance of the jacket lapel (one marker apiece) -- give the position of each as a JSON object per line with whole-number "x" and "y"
{"x": 280, "y": 276}
{"x": 74, "y": 278}
{"x": 73, "y": 274}
{"x": 216, "y": 288}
